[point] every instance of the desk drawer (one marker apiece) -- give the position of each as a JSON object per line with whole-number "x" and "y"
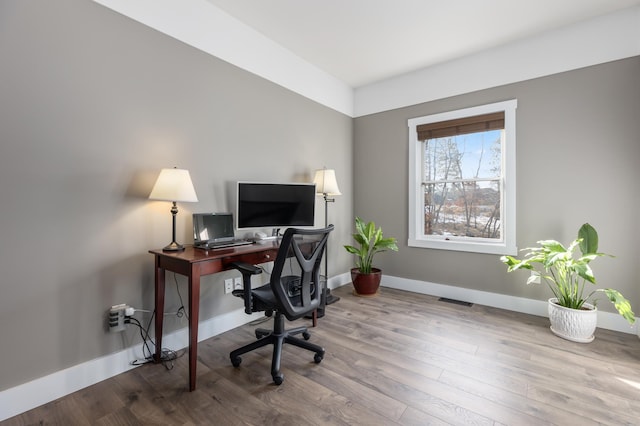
{"x": 252, "y": 258}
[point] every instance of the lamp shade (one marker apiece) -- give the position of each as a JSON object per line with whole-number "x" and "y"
{"x": 174, "y": 185}
{"x": 325, "y": 180}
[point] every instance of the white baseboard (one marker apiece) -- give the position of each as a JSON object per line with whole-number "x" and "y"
{"x": 64, "y": 382}
{"x": 339, "y": 280}
{"x": 48, "y": 388}
{"x": 607, "y": 320}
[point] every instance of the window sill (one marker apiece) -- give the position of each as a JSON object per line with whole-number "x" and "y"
{"x": 472, "y": 247}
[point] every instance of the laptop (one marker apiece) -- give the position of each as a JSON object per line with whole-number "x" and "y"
{"x": 215, "y": 230}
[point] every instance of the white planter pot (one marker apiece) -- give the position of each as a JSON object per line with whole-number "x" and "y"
{"x": 577, "y": 325}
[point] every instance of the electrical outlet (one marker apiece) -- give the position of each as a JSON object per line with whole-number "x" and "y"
{"x": 237, "y": 283}
{"x": 228, "y": 285}
{"x": 116, "y": 318}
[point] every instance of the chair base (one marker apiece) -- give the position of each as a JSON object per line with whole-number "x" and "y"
{"x": 278, "y": 337}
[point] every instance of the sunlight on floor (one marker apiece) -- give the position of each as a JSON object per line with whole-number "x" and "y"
{"x": 630, "y": 383}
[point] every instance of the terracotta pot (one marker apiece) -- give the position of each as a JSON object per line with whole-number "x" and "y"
{"x": 366, "y": 284}
{"x": 577, "y": 325}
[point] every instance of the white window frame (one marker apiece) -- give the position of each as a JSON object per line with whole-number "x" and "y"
{"x": 507, "y": 243}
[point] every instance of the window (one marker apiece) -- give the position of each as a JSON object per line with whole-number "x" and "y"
{"x": 462, "y": 179}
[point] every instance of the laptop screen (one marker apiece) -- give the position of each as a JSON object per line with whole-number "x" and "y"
{"x": 212, "y": 227}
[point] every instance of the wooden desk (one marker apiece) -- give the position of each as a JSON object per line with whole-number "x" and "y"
{"x": 194, "y": 263}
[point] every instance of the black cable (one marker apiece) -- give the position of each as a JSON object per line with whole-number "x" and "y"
{"x": 167, "y": 356}
{"x": 144, "y": 334}
{"x": 181, "y": 311}
{"x": 259, "y": 320}
{"x": 145, "y": 337}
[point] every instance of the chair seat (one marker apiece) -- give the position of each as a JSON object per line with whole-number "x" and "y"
{"x": 263, "y": 298}
{"x": 264, "y": 294}
{"x": 267, "y": 299}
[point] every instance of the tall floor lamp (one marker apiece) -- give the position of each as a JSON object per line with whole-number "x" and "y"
{"x": 174, "y": 185}
{"x": 327, "y": 186}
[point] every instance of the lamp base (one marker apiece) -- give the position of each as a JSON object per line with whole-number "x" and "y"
{"x": 173, "y": 247}
{"x": 330, "y": 298}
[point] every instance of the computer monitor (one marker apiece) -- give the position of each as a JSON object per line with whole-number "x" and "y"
{"x": 275, "y": 205}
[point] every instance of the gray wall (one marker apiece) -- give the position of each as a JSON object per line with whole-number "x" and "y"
{"x": 92, "y": 106}
{"x": 578, "y": 148}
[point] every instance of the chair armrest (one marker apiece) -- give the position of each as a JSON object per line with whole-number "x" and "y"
{"x": 246, "y": 269}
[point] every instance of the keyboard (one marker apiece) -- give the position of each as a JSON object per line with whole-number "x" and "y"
{"x": 223, "y": 244}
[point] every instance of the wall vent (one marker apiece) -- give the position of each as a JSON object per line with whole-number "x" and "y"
{"x": 455, "y": 302}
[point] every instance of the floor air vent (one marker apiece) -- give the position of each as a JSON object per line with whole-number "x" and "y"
{"x": 455, "y": 302}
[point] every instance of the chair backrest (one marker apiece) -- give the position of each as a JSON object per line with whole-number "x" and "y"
{"x": 295, "y": 279}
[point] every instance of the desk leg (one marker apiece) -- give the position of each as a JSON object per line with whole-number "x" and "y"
{"x": 194, "y": 308}
{"x": 159, "y": 307}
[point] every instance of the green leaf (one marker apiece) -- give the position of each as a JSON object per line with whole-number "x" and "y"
{"x": 589, "y": 257}
{"x": 352, "y": 249}
{"x": 388, "y": 244}
{"x": 589, "y": 237}
{"x": 514, "y": 264}
{"x": 584, "y": 271}
{"x": 552, "y": 245}
{"x": 533, "y": 277}
{"x": 369, "y": 229}
{"x": 360, "y": 239}
{"x": 622, "y": 305}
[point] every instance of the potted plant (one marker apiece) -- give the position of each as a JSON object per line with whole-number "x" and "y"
{"x": 567, "y": 276}
{"x": 366, "y": 278}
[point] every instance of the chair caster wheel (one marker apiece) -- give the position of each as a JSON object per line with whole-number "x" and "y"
{"x": 278, "y": 379}
{"x": 317, "y": 358}
{"x": 306, "y": 335}
{"x": 236, "y": 361}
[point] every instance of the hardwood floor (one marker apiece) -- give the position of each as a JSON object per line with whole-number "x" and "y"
{"x": 398, "y": 358}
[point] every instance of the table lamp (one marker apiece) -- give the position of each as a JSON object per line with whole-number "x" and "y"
{"x": 327, "y": 186}
{"x": 174, "y": 185}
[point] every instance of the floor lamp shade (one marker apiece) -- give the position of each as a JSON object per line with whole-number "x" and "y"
{"x": 174, "y": 185}
{"x": 325, "y": 180}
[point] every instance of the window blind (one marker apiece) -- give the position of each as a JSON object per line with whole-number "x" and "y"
{"x": 461, "y": 126}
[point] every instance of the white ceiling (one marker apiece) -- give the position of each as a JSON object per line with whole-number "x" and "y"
{"x": 364, "y": 41}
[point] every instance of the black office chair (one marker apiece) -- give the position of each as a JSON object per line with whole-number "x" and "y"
{"x": 294, "y": 291}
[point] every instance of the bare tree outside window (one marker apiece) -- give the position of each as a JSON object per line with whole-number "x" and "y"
{"x": 462, "y": 185}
